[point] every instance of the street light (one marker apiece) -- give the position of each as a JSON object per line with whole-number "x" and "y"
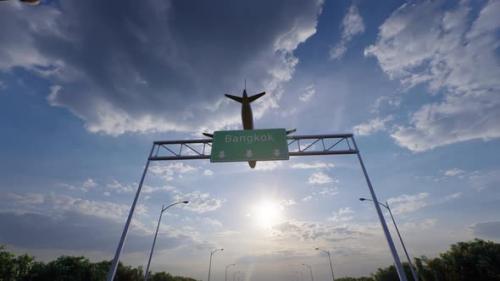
{"x": 386, "y": 205}
{"x": 163, "y": 209}
{"x": 330, "y": 259}
{"x": 310, "y": 270}
{"x": 228, "y": 266}
{"x": 210, "y": 263}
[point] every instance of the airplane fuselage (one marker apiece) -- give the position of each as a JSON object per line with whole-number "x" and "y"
{"x": 246, "y": 114}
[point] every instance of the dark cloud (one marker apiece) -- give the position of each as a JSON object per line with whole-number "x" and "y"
{"x": 128, "y": 66}
{"x": 489, "y": 230}
{"x": 74, "y": 231}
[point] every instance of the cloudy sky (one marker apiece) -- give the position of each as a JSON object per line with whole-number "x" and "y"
{"x": 87, "y": 86}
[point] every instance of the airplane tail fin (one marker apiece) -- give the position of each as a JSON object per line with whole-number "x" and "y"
{"x": 254, "y": 97}
{"x": 235, "y": 98}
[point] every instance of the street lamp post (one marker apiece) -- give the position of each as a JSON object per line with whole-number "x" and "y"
{"x": 330, "y": 259}
{"x": 225, "y": 273}
{"x": 210, "y": 263}
{"x": 163, "y": 209}
{"x": 386, "y": 205}
{"x": 310, "y": 270}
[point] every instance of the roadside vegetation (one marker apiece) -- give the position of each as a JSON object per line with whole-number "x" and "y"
{"x": 476, "y": 260}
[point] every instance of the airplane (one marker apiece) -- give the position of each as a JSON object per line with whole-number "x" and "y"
{"x": 246, "y": 115}
{"x": 29, "y": 2}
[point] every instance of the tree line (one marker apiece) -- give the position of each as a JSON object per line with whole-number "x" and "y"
{"x": 67, "y": 268}
{"x": 476, "y": 260}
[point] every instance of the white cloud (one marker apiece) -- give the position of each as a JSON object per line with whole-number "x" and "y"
{"x": 268, "y": 165}
{"x": 482, "y": 180}
{"x": 383, "y": 102}
{"x": 313, "y": 165}
{"x": 329, "y": 191}
{"x": 318, "y": 231}
{"x": 420, "y": 225}
{"x": 479, "y": 180}
{"x": 352, "y": 25}
{"x": 319, "y": 178}
{"x": 455, "y": 54}
{"x": 452, "y": 196}
{"x": 167, "y": 172}
{"x": 308, "y": 93}
{"x": 146, "y": 189}
{"x": 454, "y": 172}
{"x": 208, "y": 172}
{"x": 27, "y": 198}
{"x": 212, "y": 222}
{"x": 287, "y": 202}
{"x": 118, "y": 187}
{"x": 55, "y": 204}
{"x": 372, "y": 126}
{"x": 408, "y": 203}
{"x": 307, "y": 198}
{"x": 199, "y": 202}
{"x": 342, "y": 215}
{"x": 89, "y": 184}
{"x": 85, "y": 186}
{"x": 321, "y": 192}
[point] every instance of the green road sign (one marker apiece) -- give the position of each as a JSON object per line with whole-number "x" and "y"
{"x": 249, "y": 145}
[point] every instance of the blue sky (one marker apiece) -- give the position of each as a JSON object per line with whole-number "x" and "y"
{"x": 87, "y": 86}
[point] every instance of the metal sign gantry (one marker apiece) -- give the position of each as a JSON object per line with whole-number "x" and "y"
{"x": 298, "y": 145}
{"x": 304, "y": 145}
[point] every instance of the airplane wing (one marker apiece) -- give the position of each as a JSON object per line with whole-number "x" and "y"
{"x": 208, "y": 135}
{"x": 235, "y": 98}
{"x": 254, "y": 97}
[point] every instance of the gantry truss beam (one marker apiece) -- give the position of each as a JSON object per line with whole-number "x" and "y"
{"x": 303, "y": 145}
{"x": 300, "y": 145}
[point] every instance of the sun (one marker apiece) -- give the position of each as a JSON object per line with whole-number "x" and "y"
{"x": 267, "y": 213}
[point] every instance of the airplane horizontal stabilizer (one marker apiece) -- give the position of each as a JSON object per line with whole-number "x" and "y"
{"x": 238, "y": 99}
{"x": 254, "y": 97}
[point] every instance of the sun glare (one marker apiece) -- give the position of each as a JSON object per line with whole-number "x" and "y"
{"x": 267, "y": 213}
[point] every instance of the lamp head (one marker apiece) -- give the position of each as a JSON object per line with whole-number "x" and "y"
{"x": 362, "y": 199}
{"x": 185, "y": 202}
{"x": 316, "y": 248}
